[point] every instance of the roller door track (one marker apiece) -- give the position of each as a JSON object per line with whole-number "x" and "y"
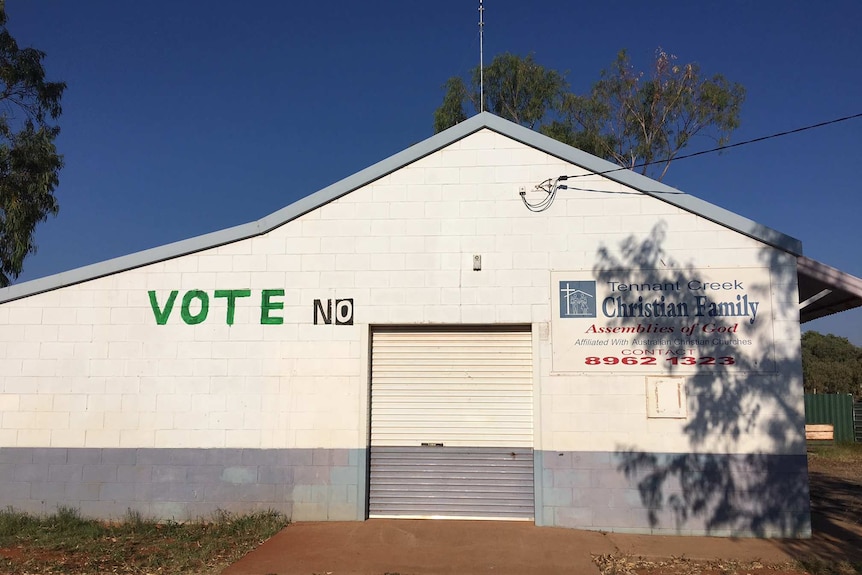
{"x": 452, "y": 424}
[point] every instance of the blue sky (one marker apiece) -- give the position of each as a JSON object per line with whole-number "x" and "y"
{"x": 182, "y": 118}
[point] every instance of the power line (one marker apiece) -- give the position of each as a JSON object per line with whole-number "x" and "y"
{"x": 725, "y": 147}
{"x": 550, "y": 186}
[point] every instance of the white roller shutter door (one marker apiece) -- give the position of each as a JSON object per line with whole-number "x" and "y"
{"x": 452, "y": 423}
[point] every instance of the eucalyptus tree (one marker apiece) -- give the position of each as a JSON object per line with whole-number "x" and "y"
{"x": 29, "y": 161}
{"x": 638, "y": 120}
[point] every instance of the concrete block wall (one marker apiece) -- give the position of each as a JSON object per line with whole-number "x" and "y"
{"x": 182, "y": 484}
{"x": 88, "y": 366}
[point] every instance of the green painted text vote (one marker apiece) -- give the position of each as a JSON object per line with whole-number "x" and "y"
{"x": 195, "y": 306}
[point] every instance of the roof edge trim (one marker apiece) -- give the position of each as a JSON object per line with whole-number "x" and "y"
{"x": 394, "y": 162}
{"x": 248, "y": 230}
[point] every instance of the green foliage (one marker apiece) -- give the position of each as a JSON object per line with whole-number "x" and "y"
{"x": 29, "y": 162}
{"x": 66, "y": 542}
{"x": 627, "y": 117}
{"x": 516, "y": 88}
{"x": 831, "y": 364}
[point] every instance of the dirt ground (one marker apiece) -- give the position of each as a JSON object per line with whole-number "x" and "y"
{"x": 834, "y": 549}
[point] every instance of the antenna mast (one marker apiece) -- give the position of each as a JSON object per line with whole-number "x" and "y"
{"x": 481, "y": 57}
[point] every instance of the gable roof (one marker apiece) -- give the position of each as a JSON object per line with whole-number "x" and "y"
{"x": 824, "y": 290}
{"x": 434, "y": 143}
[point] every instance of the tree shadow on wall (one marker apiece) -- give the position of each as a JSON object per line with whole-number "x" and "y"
{"x": 744, "y": 470}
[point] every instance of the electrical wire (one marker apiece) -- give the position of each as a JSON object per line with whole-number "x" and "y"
{"x": 726, "y": 147}
{"x": 551, "y": 185}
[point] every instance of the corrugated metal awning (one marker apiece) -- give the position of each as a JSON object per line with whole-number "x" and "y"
{"x": 824, "y": 290}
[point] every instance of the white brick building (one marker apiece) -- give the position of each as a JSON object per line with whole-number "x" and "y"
{"x": 413, "y": 341}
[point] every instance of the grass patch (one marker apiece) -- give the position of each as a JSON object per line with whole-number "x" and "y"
{"x": 65, "y": 542}
{"x": 840, "y": 452}
{"x": 818, "y": 566}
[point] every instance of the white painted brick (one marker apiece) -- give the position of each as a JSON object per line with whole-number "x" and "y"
{"x": 178, "y": 438}
{"x": 67, "y": 438}
{"x": 39, "y": 367}
{"x": 573, "y": 260}
{"x": 208, "y": 403}
{"x": 36, "y": 403}
{"x": 388, "y": 228}
{"x": 85, "y": 420}
{"x": 250, "y": 438}
{"x": 602, "y": 224}
{"x": 75, "y": 333}
{"x": 12, "y": 333}
{"x": 458, "y": 227}
{"x": 142, "y": 438}
{"x": 297, "y": 245}
{"x": 442, "y": 314}
{"x": 104, "y": 402}
{"x": 498, "y": 227}
{"x": 338, "y": 211}
{"x": 478, "y": 279}
{"x": 458, "y": 158}
{"x": 581, "y": 207}
{"x": 192, "y": 421}
{"x": 530, "y": 261}
{"x": 23, "y": 349}
{"x": 408, "y": 175}
{"x": 40, "y": 333}
{"x": 118, "y": 350}
{"x": 68, "y": 402}
{"x": 422, "y": 227}
{"x": 541, "y": 313}
{"x": 85, "y": 385}
{"x": 514, "y": 208}
{"x": 106, "y": 368}
{"x": 476, "y": 209}
{"x": 408, "y": 244}
{"x": 512, "y": 173}
{"x": 210, "y": 367}
{"x": 423, "y": 261}
{"x": 194, "y": 350}
{"x": 156, "y": 420}
{"x": 346, "y": 262}
{"x": 477, "y": 314}
{"x": 138, "y": 402}
{"x": 372, "y": 210}
{"x": 387, "y": 262}
{"x": 244, "y": 367}
{"x": 385, "y": 297}
{"x": 322, "y": 262}
{"x": 335, "y": 245}
{"x": 225, "y": 420}
{"x": 135, "y": 368}
{"x": 441, "y": 210}
{"x": 404, "y": 314}
{"x": 33, "y": 437}
{"x": 59, "y": 316}
{"x": 442, "y": 176}
{"x": 246, "y": 332}
{"x": 480, "y": 140}
{"x": 442, "y": 278}
{"x": 476, "y": 175}
{"x": 406, "y": 210}
{"x": 460, "y": 192}
{"x": 371, "y": 279}
{"x": 429, "y": 192}
{"x": 382, "y": 191}
{"x": 213, "y": 263}
{"x": 121, "y": 420}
